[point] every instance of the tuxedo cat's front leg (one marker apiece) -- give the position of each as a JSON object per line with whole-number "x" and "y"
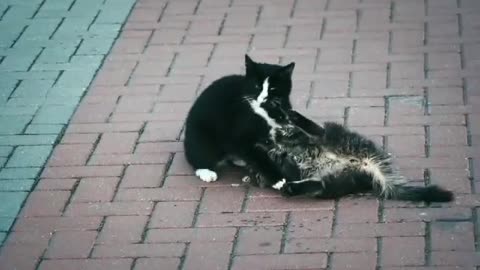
{"x": 265, "y": 170}
{"x": 306, "y": 124}
{"x": 311, "y": 187}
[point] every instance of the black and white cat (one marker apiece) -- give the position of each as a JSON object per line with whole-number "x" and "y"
{"x": 330, "y": 161}
{"x": 228, "y": 119}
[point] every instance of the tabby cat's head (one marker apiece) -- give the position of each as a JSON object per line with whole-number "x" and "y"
{"x": 269, "y": 82}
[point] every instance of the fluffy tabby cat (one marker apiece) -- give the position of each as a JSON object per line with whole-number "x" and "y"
{"x": 331, "y": 161}
{"x": 228, "y": 119}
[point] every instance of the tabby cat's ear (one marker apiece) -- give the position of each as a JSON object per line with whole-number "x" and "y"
{"x": 249, "y": 65}
{"x": 287, "y": 70}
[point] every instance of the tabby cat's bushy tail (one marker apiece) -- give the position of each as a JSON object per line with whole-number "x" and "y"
{"x": 389, "y": 185}
{"x": 426, "y": 194}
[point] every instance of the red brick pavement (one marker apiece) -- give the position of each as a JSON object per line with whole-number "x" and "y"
{"x": 118, "y": 194}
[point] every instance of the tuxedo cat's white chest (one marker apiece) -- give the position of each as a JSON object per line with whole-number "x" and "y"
{"x": 256, "y": 105}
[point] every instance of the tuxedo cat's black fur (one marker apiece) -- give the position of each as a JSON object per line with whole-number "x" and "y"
{"x": 228, "y": 119}
{"x": 331, "y": 161}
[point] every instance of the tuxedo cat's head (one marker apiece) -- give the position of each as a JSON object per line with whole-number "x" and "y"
{"x": 269, "y": 82}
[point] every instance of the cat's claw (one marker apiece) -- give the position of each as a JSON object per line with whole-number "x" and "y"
{"x": 279, "y": 184}
{"x": 206, "y": 175}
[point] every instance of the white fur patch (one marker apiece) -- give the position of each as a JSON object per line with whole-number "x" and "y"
{"x": 372, "y": 167}
{"x": 264, "y": 94}
{"x": 257, "y": 108}
{"x": 206, "y": 175}
{"x": 239, "y": 162}
{"x": 279, "y": 184}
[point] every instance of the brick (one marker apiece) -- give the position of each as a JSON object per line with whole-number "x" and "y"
{"x": 104, "y": 127}
{"x": 161, "y": 131}
{"x": 135, "y": 103}
{"x": 278, "y": 261}
{"x": 218, "y": 200}
{"x": 62, "y": 248}
{"x": 128, "y": 159}
{"x": 448, "y": 135}
{"x": 48, "y": 224}
{"x": 109, "y": 209}
{"x": 443, "y": 60}
{"x": 454, "y": 258}
{"x": 16, "y": 185}
{"x": 180, "y": 165}
{"x": 138, "y": 250}
{"x": 13, "y": 124}
{"x": 366, "y": 116}
{"x": 330, "y": 88}
{"x": 310, "y": 224}
{"x": 44, "y": 129}
{"x": 411, "y": 253}
{"x": 95, "y": 190}
{"x": 457, "y": 236}
{"x": 177, "y": 93}
{"x": 86, "y": 264}
{"x": 173, "y": 215}
{"x": 426, "y": 214}
{"x": 211, "y": 255}
{"x": 159, "y": 194}
{"x": 19, "y": 173}
{"x": 56, "y": 184}
{"x": 153, "y": 263}
{"x": 357, "y": 211}
{"x": 369, "y": 79}
{"x": 406, "y": 105}
{"x": 29, "y": 156}
{"x": 45, "y": 203}
{"x": 143, "y": 176}
{"x": 39, "y": 239}
{"x": 259, "y": 240}
{"x": 11, "y": 202}
{"x": 53, "y": 114}
{"x": 190, "y": 235}
{"x": 307, "y": 245}
{"x": 380, "y": 229}
{"x": 20, "y": 256}
{"x": 122, "y": 229}
{"x": 159, "y": 147}
{"x": 407, "y": 70}
{"x": 455, "y": 180}
{"x": 92, "y": 113}
{"x": 363, "y": 260}
{"x": 5, "y": 223}
{"x": 258, "y": 204}
{"x": 73, "y": 138}
{"x": 445, "y": 96}
{"x": 398, "y": 145}
{"x": 62, "y": 154}
{"x": 240, "y": 219}
{"x": 81, "y": 171}
{"x": 116, "y": 143}
{"x": 15, "y": 140}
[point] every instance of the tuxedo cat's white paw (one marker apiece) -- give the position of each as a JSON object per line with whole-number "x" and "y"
{"x": 246, "y": 179}
{"x": 279, "y": 184}
{"x": 206, "y": 175}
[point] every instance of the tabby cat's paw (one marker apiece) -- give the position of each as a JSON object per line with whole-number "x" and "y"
{"x": 206, "y": 175}
{"x": 279, "y": 185}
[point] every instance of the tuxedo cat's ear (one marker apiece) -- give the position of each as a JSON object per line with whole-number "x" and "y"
{"x": 249, "y": 65}
{"x": 288, "y": 69}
